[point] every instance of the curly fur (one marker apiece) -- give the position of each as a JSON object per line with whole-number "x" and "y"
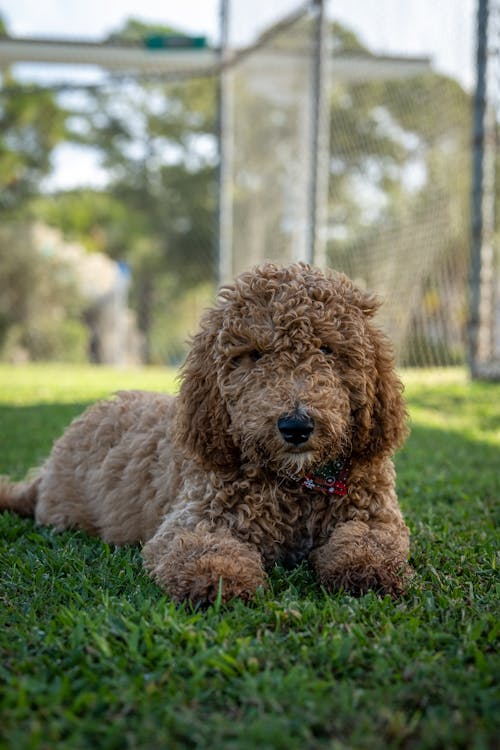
{"x": 206, "y": 480}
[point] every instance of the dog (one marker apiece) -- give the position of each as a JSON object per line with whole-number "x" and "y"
{"x": 277, "y": 449}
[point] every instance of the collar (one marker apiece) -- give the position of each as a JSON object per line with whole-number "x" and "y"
{"x": 329, "y": 479}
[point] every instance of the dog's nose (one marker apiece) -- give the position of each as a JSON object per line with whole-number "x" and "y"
{"x": 296, "y": 429}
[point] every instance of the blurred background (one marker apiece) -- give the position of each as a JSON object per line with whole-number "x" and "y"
{"x": 151, "y": 150}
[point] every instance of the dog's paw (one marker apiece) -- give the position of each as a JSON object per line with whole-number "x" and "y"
{"x": 391, "y": 579}
{"x": 202, "y": 580}
{"x": 198, "y": 568}
{"x": 359, "y": 558}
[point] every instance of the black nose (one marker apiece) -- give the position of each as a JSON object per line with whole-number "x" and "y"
{"x": 296, "y": 429}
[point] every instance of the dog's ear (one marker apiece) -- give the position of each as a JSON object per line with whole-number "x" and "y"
{"x": 380, "y": 425}
{"x": 202, "y": 419}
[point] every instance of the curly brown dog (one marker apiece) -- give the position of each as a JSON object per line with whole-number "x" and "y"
{"x": 277, "y": 449}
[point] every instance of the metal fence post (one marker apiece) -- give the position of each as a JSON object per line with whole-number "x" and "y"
{"x": 224, "y": 270}
{"x": 320, "y": 136}
{"x": 482, "y": 353}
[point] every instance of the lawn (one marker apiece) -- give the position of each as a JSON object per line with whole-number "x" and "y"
{"x": 93, "y": 655}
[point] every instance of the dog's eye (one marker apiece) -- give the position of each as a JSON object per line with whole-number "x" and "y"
{"x": 247, "y": 357}
{"x": 325, "y": 349}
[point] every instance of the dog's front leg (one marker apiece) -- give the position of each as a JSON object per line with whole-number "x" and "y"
{"x": 365, "y": 555}
{"x": 196, "y": 564}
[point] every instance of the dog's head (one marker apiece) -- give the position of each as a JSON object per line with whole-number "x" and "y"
{"x": 288, "y": 372}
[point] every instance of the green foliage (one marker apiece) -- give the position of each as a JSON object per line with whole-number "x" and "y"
{"x": 157, "y": 141}
{"x": 31, "y": 125}
{"x": 176, "y": 318}
{"x": 40, "y": 307}
{"x": 400, "y": 207}
{"x": 94, "y": 218}
{"x": 161, "y": 174}
{"x": 346, "y": 42}
{"x": 135, "y": 30}
{"x": 92, "y": 653}
{"x": 58, "y": 339}
{"x": 380, "y": 128}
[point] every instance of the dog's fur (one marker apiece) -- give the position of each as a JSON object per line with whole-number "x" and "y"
{"x": 207, "y": 481}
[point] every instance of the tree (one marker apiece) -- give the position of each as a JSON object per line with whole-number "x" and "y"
{"x": 40, "y": 305}
{"x": 31, "y": 125}
{"x": 398, "y": 182}
{"x": 157, "y": 141}
{"x": 399, "y": 205}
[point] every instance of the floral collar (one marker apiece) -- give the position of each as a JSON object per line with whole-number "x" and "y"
{"x": 329, "y": 479}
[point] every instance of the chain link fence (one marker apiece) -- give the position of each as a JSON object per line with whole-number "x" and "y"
{"x": 330, "y": 132}
{"x": 397, "y": 215}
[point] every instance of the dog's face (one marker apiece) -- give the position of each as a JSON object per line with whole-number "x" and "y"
{"x": 279, "y": 372}
{"x": 295, "y": 374}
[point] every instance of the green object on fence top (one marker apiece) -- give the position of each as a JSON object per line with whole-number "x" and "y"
{"x": 174, "y": 41}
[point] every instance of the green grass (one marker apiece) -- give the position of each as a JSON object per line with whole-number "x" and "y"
{"x": 93, "y": 655}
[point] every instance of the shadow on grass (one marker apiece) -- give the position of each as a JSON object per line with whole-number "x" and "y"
{"x": 28, "y": 432}
{"x": 446, "y": 465}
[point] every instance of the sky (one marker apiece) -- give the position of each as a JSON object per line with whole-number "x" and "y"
{"x": 441, "y": 29}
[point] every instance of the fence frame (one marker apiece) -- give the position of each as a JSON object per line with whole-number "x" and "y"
{"x": 484, "y": 359}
